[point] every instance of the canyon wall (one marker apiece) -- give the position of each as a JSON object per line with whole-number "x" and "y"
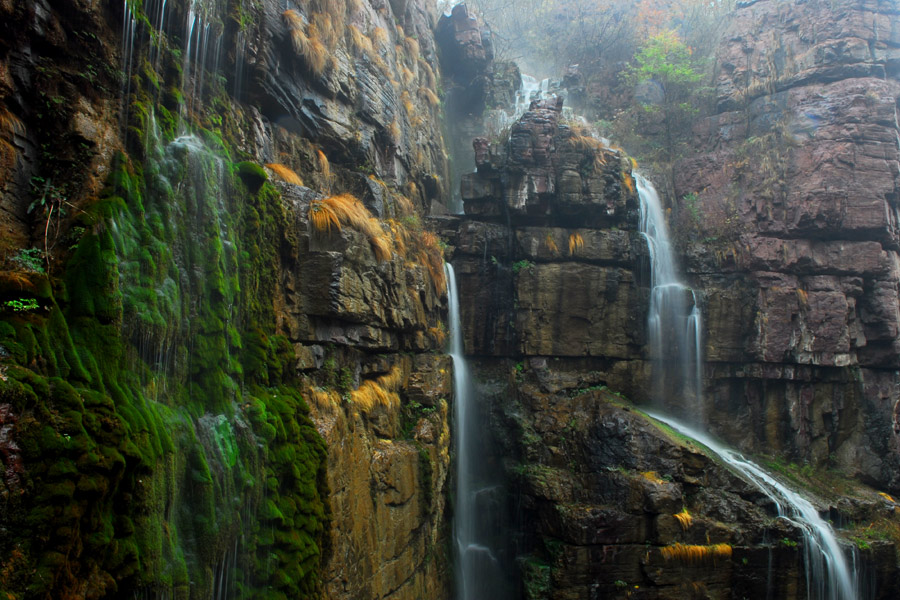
{"x": 795, "y": 183}
{"x": 221, "y": 368}
{"x": 791, "y": 252}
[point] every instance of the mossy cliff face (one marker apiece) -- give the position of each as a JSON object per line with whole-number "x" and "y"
{"x": 202, "y": 393}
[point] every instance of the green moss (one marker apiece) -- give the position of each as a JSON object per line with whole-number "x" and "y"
{"x": 251, "y": 174}
{"x": 159, "y": 418}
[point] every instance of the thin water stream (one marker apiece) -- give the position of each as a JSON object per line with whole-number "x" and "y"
{"x": 479, "y": 510}
{"x": 674, "y": 320}
{"x": 674, "y": 324}
{"x": 828, "y": 575}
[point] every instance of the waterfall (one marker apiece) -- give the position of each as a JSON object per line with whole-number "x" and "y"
{"x": 674, "y": 321}
{"x": 129, "y": 29}
{"x": 828, "y": 576}
{"x": 478, "y": 510}
{"x": 674, "y": 330}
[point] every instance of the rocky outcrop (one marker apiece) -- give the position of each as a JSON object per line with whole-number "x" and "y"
{"x": 619, "y": 506}
{"x": 474, "y": 84}
{"x": 797, "y": 183}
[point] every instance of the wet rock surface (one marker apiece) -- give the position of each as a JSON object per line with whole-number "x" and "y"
{"x": 553, "y": 276}
{"x": 801, "y": 295}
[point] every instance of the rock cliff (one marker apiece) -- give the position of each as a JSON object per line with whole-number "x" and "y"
{"x": 795, "y": 179}
{"x": 554, "y": 279}
{"x": 220, "y": 316}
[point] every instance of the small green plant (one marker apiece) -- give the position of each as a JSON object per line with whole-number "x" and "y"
{"x": 522, "y": 264}
{"x": 30, "y": 259}
{"x": 620, "y": 585}
{"x": 345, "y": 381}
{"x": 21, "y": 304}
{"x": 788, "y": 543}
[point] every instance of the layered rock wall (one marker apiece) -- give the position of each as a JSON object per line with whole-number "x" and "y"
{"x": 205, "y": 391}
{"x": 796, "y": 179}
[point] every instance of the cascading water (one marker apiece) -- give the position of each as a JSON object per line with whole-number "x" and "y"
{"x": 674, "y": 322}
{"x": 129, "y": 28}
{"x": 478, "y": 511}
{"x": 828, "y": 576}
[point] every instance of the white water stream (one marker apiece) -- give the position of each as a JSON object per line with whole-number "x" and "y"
{"x": 478, "y": 504}
{"x": 828, "y": 576}
{"x": 674, "y": 324}
{"x": 674, "y": 321}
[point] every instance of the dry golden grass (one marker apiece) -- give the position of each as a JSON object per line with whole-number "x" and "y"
{"x": 684, "y": 519}
{"x": 9, "y": 122}
{"x": 327, "y": 28}
{"x": 346, "y": 209}
{"x": 16, "y": 280}
{"x": 322, "y": 216}
{"x": 412, "y": 189}
{"x": 393, "y": 380}
{"x": 307, "y": 44}
{"x": 406, "y": 76}
{"x": 371, "y": 394}
{"x": 433, "y": 258}
{"x": 408, "y": 106}
{"x": 430, "y": 97}
{"x": 293, "y": 20}
{"x": 400, "y": 236}
{"x": 634, "y": 163}
{"x": 352, "y": 212}
{"x": 381, "y": 37}
{"x": 425, "y": 68}
{"x": 551, "y": 245}
{"x": 285, "y": 173}
{"x": 400, "y": 33}
{"x": 382, "y": 246}
{"x": 317, "y": 56}
{"x": 403, "y": 206}
{"x": 576, "y": 243}
{"x": 394, "y": 131}
{"x": 584, "y": 141}
{"x": 652, "y": 476}
{"x": 581, "y": 139}
{"x": 438, "y": 334}
{"x": 412, "y": 47}
{"x": 628, "y": 180}
{"x": 691, "y": 553}
{"x": 324, "y": 399}
{"x": 423, "y": 247}
{"x": 295, "y": 26}
{"x": 361, "y": 42}
{"x": 324, "y": 165}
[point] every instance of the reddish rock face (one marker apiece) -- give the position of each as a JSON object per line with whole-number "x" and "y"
{"x": 804, "y": 158}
